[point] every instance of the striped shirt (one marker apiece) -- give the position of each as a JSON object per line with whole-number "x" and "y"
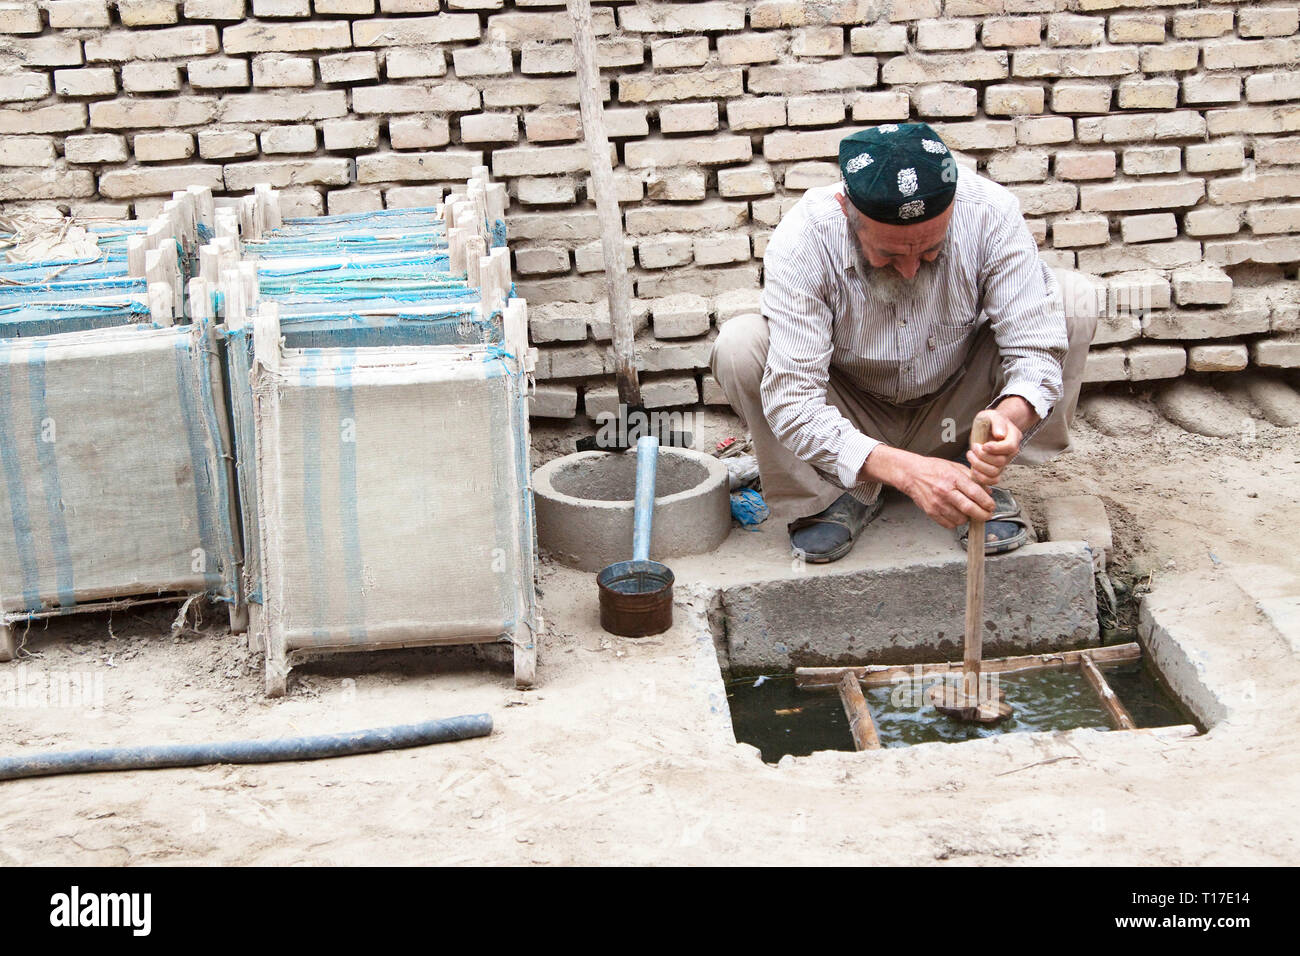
{"x": 821, "y": 312}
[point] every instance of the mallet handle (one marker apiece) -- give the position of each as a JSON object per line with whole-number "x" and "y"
{"x": 981, "y": 431}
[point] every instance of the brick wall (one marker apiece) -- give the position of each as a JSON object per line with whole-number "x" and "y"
{"x": 1154, "y": 143}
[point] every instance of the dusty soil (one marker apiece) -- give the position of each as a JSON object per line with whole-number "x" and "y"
{"x": 623, "y": 755}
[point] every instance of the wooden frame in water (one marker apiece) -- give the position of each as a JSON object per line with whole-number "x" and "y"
{"x": 851, "y": 680}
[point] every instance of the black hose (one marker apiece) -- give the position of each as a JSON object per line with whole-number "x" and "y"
{"x": 247, "y": 751}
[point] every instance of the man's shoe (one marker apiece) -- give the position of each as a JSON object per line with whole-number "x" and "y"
{"x": 829, "y": 535}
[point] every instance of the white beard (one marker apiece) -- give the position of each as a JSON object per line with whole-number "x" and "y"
{"x": 891, "y": 287}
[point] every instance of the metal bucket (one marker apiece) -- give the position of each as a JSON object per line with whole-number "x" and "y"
{"x": 636, "y": 597}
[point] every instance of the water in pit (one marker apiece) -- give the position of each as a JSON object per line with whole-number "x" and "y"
{"x": 776, "y": 717}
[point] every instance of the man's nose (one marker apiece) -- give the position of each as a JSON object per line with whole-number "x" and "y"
{"x": 907, "y": 268}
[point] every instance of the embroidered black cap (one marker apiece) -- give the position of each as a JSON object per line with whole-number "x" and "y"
{"x": 900, "y": 173}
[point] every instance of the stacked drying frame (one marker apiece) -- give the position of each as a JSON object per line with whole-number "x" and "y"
{"x": 114, "y": 441}
{"x": 378, "y": 366}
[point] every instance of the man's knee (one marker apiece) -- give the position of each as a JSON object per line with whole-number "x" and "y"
{"x": 740, "y": 352}
{"x": 1083, "y": 298}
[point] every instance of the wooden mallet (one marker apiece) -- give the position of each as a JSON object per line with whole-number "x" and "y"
{"x": 964, "y": 701}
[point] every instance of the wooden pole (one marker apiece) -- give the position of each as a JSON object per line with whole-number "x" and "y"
{"x": 861, "y": 725}
{"x": 973, "y": 649}
{"x": 618, "y": 285}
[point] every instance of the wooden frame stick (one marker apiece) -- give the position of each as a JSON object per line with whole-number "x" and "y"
{"x": 882, "y": 675}
{"x": 861, "y": 725}
{"x": 1119, "y": 715}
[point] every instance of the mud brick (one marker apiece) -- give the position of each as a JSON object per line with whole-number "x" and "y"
{"x": 1212, "y": 221}
{"x": 518, "y": 27}
{"x": 289, "y": 139}
{"x": 1211, "y": 157}
{"x": 548, "y": 190}
{"x": 227, "y": 144}
{"x": 714, "y": 150}
{"x": 878, "y": 107}
{"x": 345, "y": 134}
{"x": 1136, "y": 28}
{"x": 1253, "y": 119}
{"x": 348, "y": 67}
{"x": 415, "y": 98}
{"x": 411, "y": 31}
{"x": 712, "y": 215}
{"x": 680, "y": 184}
{"x": 20, "y": 18}
{"x": 680, "y": 316}
{"x": 402, "y": 62}
{"x": 1279, "y": 351}
{"x": 150, "y": 78}
{"x": 482, "y": 61}
{"x": 540, "y": 160}
{"x": 1149, "y": 362}
{"x": 742, "y": 48}
{"x": 744, "y": 181}
{"x": 1148, "y": 228}
{"x": 1013, "y": 100}
{"x": 981, "y": 134}
{"x": 944, "y": 100}
{"x": 1260, "y": 186}
{"x": 815, "y": 110}
{"x": 1085, "y": 164}
{"x": 74, "y": 14}
{"x": 1080, "y": 229}
{"x": 591, "y": 257}
{"x": 1064, "y": 29}
{"x": 489, "y": 128}
{"x": 552, "y": 127}
{"x": 548, "y": 58}
{"x": 812, "y": 145}
{"x": 801, "y": 176}
{"x": 1074, "y": 97}
{"x": 665, "y": 251}
{"x": 329, "y": 171}
{"x": 1169, "y": 57}
{"x": 699, "y": 84}
{"x": 681, "y": 17}
{"x": 1202, "y": 24}
{"x": 1152, "y": 94}
{"x": 95, "y": 148}
{"x": 690, "y": 118}
{"x": 677, "y": 52}
{"x": 766, "y": 112}
{"x": 954, "y": 68}
{"x": 145, "y": 113}
{"x": 214, "y": 9}
{"x": 408, "y": 197}
{"x": 295, "y": 107}
{"x": 534, "y": 92}
{"x": 881, "y": 38}
{"x": 628, "y": 187}
{"x": 903, "y": 10}
{"x": 552, "y": 401}
{"x": 418, "y": 132}
{"x": 1202, "y": 285}
{"x": 1041, "y": 130}
{"x": 1105, "y": 365}
{"x": 721, "y": 248}
{"x": 1273, "y": 219}
{"x": 1152, "y": 160}
{"x": 159, "y": 180}
{"x": 1203, "y": 90}
{"x": 1226, "y": 357}
{"x": 1020, "y": 165}
{"x": 118, "y": 46}
{"x": 1141, "y": 127}
{"x": 542, "y": 260}
{"x": 1271, "y": 87}
{"x": 1011, "y": 32}
{"x": 1153, "y": 255}
{"x": 563, "y": 226}
{"x": 162, "y": 147}
{"x": 1264, "y": 21}
{"x": 281, "y": 8}
{"x": 218, "y": 73}
{"x": 389, "y": 167}
{"x": 1248, "y": 54}
{"x": 1049, "y": 198}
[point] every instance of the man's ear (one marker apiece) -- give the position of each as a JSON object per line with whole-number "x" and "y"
{"x": 844, "y": 204}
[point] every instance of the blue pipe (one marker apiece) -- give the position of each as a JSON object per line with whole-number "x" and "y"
{"x": 316, "y": 747}
{"x": 647, "y": 458}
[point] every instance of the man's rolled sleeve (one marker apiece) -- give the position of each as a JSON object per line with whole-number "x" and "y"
{"x": 1022, "y": 301}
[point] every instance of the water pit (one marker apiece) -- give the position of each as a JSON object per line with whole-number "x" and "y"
{"x": 778, "y": 718}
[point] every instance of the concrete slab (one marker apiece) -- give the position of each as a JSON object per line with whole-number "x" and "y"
{"x": 898, "y": 597}
{"x": 1080, "y": 518}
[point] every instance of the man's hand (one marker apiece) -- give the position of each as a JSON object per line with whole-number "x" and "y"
{"x": 1009, "y": 421}
{"x": 942, "y": 489}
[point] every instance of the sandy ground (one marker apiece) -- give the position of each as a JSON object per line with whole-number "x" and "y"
{"x": 624, "y": 754}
